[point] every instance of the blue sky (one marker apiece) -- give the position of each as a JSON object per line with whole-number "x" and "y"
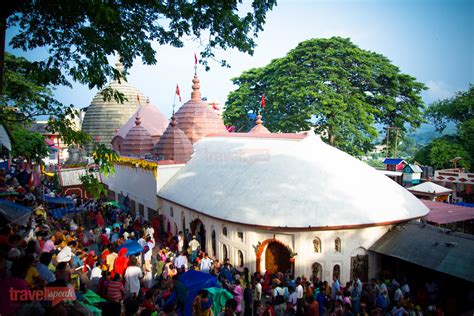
{"x": 432, "y": 40}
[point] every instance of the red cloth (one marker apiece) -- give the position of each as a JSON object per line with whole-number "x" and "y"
{"x": 100, "y": 220}
{"x": 121, "y": 262}
{"x": 105, "y": 240}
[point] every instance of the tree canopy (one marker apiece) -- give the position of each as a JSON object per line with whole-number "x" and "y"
{"x": 333, "y": 85}
{"x": 441, "y": 151}
{"x": 28, "y": 144}
{"x": 80, "y": 35}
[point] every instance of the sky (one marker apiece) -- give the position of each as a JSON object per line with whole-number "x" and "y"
{"x": 432, "y": 40}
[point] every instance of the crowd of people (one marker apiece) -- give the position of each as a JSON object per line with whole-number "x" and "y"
{"x": 86, "y": 252}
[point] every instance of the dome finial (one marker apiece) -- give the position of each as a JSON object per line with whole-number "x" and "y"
{"x": 173, "y": 121}
{"x": 259, "y": 120}
{"x": 196, "y": 94}
{"x": 138, "y": 120}
{"x": 119, "y": 65}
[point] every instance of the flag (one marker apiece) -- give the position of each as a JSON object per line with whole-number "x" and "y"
{"x": 262, "y": 102}
{"x": 178, "y": 93}
{"x": 195, "y": 59}
{"x": 214, "y": 106}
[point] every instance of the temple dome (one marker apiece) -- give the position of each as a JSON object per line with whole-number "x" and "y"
{"x": 151, "y": 119}
{"x": 287, "y": 180}
{"x": 196, "y": 119}
{"x": 259, "y": 128}
{"x": 104, "y": 118}
{"x": 173, "y": 144}
{"x": 138, "y": 141}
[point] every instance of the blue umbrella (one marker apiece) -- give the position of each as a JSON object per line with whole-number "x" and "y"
{"x": 132, "y": 246}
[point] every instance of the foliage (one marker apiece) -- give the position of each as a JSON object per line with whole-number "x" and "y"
{"x": 376, "y": 163}
{"x": 80, "y": 35}
{"x": 27, "y": 95}
{"x": 93, "y": 186}
{"x": 105, "y": 159}
{"x": 460, "y": 111}
{"x": 334, "y": 85}
{"x": 441, "y": 151}
{"x": 28, "y": 144}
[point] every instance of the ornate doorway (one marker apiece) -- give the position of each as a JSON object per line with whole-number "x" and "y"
{"x": 197, "y": 228}
{"x": 360, "y": 267}
{"x": 277, "y": 258}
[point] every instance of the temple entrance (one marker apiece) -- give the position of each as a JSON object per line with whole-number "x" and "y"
{"x": 277, "y": 258}
{"x": 197, "y": 228}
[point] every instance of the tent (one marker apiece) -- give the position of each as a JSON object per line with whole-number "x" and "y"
{"x": 14, "y": 212}
{"x": 189, "y": 285}
{"x": 132, "y": 246}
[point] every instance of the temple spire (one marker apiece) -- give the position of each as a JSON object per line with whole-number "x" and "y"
{"x": 196, "y": 94}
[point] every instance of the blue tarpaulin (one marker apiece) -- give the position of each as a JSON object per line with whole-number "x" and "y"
{"x": 14, "y": 212}
{"x": 190, "y": 283}
{"x": 464, "y": 204}
{"x": 62, "y": 211}
{"x": 132, "y": 246}
{"x": 58, "y": 200}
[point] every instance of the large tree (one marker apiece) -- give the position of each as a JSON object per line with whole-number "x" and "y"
{"x": 80, "y": 36}
{"x": 333, "y": 85}
{"x": 441, "y": 151}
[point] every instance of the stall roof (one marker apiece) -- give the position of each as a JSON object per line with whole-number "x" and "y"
{"x": 444, "y": 213}
{"x": 431, "y": 247}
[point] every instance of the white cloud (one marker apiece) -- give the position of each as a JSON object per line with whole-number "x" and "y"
{"x": 438, "y": 90}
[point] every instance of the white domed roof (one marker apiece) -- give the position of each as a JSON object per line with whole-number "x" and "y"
{"x": 287, "y": 180}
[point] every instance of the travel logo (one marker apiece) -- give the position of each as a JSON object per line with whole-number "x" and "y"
{"x": 54, "y": 294}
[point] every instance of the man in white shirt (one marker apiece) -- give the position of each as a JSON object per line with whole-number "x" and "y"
{"x": 65, "y": 255}
{"x": 194, "y": 244}
{"x": 181, "y": 261}
{"x": 299, "y": 296}
{"x": 206, "y": 263}
{"x": 133, "y": 274}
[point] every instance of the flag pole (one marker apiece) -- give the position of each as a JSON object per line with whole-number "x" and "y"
{"x": 174, "y": 101}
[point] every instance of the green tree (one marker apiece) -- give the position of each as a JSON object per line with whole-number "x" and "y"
{"x": 28, "y": 145}
{"x": 28, "y": 95}
{"x": 80, "y": 35}
{"x": 460, "y": 110}
{"x": 441, "y": 151}
{"x": 334, "y": 85}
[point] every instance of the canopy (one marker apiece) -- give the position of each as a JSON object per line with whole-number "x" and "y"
{"x": 132, "y": 246}
{"x": 14, "y": 212}
{"x": 189, "y": 285}
{"x": 59, "y": 200}
{"x": 63, "y": 211}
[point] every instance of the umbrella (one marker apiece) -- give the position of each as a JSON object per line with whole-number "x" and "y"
{"x": 14, "y": 212}
{"x": 132, "y": 246}
{"x": 113, "y": 203}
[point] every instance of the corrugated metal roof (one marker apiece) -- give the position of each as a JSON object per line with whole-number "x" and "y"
{"x": 431, "y": 247}
{"x": 393, "y": 161}
{"x": 444, "y": 213}
{"x": 415, "y": 168}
